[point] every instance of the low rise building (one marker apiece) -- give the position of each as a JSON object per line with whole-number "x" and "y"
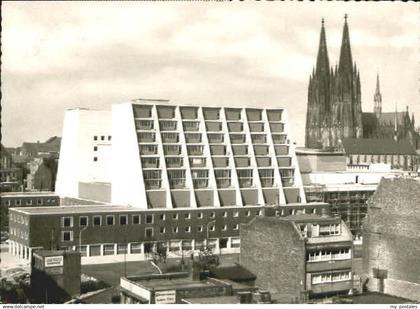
{"x": 298, "y": 257}
{"x": 107, "y": 233}
{"x": 391, "y": 239}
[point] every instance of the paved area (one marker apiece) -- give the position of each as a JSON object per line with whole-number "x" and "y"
{"x": 9, "y": 261}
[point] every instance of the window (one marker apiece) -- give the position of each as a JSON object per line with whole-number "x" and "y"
{"x": 224, "y": 228}
{"x": 236, "y": 227}
{"x": 175, "y": 216}
{"x": 109, "y": 137}
{"x": 67, "y": 236}
{"x": 109, "y": 220}
{"x": 200, "y": 228}
{"x": 247, "y": 213}
{"x": 149, "y": 219}
{"x": 175, "y": 229}
{"x": 123, "y": 220}
{"x": 148, "y": 232}
{"x": 83, "y": 221}
{"x": 188, "y": 229}
{"x": 136, "y": 219}
{"x": 162, "y": 217}
{"x": 95, "y": 148}
{"x": 102, "y": 138}
{"x": 212, "y": 228}
{"x": 39, "y": 201}
{"x": 236, "y": 213}
{"x": 212, "y": 215}
{"x": 162, "y": 230}
{"x": 187, "y": 215}
{"x": 67, "y": 222}
{"x": 97, "y": 220}
{"x": 95, "y": 138}
{"x": 200, "y": 215}
{"x": 28, "y": 202}
{"x": 17, "y": 202}
{"x": 95, "y": 159}
{"x": 259, "y": 213}
{"x": 225, "y": 214}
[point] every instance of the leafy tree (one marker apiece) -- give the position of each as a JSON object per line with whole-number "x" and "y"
{"x": 207, "y": 260}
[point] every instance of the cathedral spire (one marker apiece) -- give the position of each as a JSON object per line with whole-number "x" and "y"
{"x": 322, "y": 62}
{"x": 346, "y": 62}
{"x": 377, "y": 99}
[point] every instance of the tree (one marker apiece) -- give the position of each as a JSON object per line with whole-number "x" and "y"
{"x": 207, "y": 260}
{"x": 159, "y": 253}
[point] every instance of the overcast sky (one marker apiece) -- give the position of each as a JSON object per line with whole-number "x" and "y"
{"x": 92, "y": 54}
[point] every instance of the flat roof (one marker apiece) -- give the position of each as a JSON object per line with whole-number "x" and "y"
{"x": 164, "y": 284}
{"x": 77, "y": 209}
{"x": 310, "y": 218}
{"x": 213, "y": 300}
{"x": 28, "y": 194}
{"x": 313, "y": 151}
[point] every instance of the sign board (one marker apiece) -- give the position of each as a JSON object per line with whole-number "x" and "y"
{"x": 53, "y": 261}
{"x": 165, "y": 297}
{"x": 54, "y": 270}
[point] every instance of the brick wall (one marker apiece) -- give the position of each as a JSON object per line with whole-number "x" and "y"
{"x": 273, "y": 251}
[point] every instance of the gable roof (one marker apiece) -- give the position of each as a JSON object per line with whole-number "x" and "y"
{"x": 377, "y": 146}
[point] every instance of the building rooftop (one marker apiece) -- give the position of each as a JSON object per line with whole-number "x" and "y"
{"x": 303, "y": 218}
{"x": 377, "y": 146}
{"x": 313, "y": 151}
{"x": 213, "y": 300}
{"x": 28, "y": 194}
{"x": 46, "y": 253}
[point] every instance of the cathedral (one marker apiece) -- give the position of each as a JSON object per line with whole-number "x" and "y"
{"x": 334, "y": 109}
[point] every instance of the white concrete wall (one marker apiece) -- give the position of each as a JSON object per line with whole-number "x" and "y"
{"x": 127, "y": 176}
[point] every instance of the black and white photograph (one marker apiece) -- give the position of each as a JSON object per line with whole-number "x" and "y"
{"x": 210, "y": 152}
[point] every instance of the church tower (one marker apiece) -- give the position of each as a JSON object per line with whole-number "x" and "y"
{"x": 377, "y": 98}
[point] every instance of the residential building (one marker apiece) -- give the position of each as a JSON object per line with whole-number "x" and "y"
{"x": 153, "y": 154}
{"x": 11, "y": 176}
{"x": 391, "y": 239}
{"x": 298, "y": 257}
{"x": 109, "y": 233}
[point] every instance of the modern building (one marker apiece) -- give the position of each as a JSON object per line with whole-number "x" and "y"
{"x": 151, "y": 154}
{"x": 55, "y": 276}
{"x": 391, "y": 239}
{"x": 360, "y": 153}
{"x": 334, "y": 109}
{"x": 298, "y": 257}
{"x": 24, "y": 199}
{"x": 107, "y": 233}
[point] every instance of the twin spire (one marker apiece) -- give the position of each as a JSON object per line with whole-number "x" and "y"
{"x": 345, "y": 63}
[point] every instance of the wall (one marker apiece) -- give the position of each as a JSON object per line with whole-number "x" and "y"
{"x": 273, "y": 251}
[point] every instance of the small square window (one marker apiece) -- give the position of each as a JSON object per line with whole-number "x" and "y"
{"x": 187, "y": 215}
{"x": 162, "y": 217}
{"x": 123, "y": 220}
{"x": 188, "y": 229}
{"x": 102, "y": 138}
{"x": 109, "y": 137}
{"x": 83, "y": 221}
{"x": 224, "y": 228}
{"x": 247, "y": 213}
{"x": 175, "y": 216}
{"x": 200, "y": 228}
{"x": 67, "y": 222}
{"x": 225, "y": 214}
{"x": 97, "y": 220}
{"x": 67, "y": 236}
{"x": 175, "y": 229}
{"x": 200, "y": 215}
{"x": 212, "y": 228}
{"x": 148, "y": 232}
{"x": 136, "y": 219}
{"x": 259, "y": 213}
{"x": 28, "y": 202}
{"x": 95, "y": 159}
{"x": 236, "y": 227}
{"x": 39, "y": 201}
{"x": 95, "y": 138}
{"x": 95, "y": 148}
{"x": 17, "y": 202}
{"x": 236, "y": 213}
{"x": 149, "y": 219}
{"x": 212, "y": 215}
{"x": 162, "y": 230}
{"x": 109, "y": 220}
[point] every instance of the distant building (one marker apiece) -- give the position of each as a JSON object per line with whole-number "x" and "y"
{"x": 11, "y": 176}
{"x": 40, "y": 177}
{"x": 49, "y": 148}
{"x": 55, "y": 276}
{"x": 298, "y": 257}
{"x": 391, "y": 239}
{"x": 362, "y": 152}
